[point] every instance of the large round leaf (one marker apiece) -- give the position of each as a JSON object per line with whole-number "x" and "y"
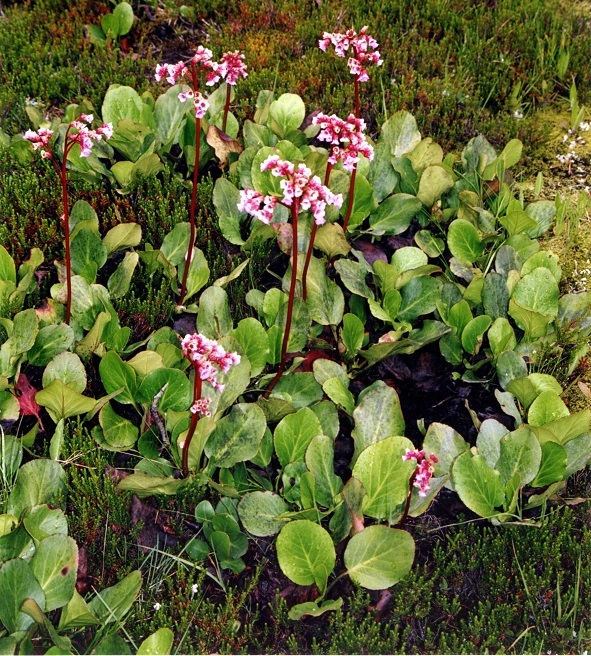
{"x": 68, "y": 368}
{"x": 304, "y": 551}
{"x": 50, "y": 342}
{"x": 520, "y": 452}
{"x": 537, "y": 292}
{"x": 464, "y": 242}
{"x": 385, "y": 476}
{"x": 17, "y": 583}
{"x": 379, "y": 556}
{"x": 478, "y": 485}
{"x": 258, "y": 513}
{"x": 55, "y": 565}
{"x": 294, "y": 433}
{"x": 237, "y": 436}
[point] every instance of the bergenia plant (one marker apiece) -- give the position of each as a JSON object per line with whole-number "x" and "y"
{"x": 347, "y": 144}
{"x": 363, "y": 50}
{"x": 230, "y": 68}
{"x": 301, "y": 192}
{"x": 421, "y": 477}
{"x": 207, "y": 357}
{"x": 77, "y": 132}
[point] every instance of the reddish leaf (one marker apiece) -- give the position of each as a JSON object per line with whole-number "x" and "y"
{"x": 26, "y": 398}
{"x": 311, "y": 357}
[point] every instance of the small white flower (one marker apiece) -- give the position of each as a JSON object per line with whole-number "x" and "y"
{"x": 518, "y": 115}
{"x": 157, "y": 606}
{"x": 194, "y": 588}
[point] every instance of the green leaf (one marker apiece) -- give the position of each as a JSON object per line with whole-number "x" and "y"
{"x": 364, "y": 202}
{"x": 198, "y": 273}
{"x": 124, "y": 15}
{"x": 252, "y": 337}
{"x": 146, "y": 485}
{"x": 435, "y": 181}
{"x": 294, "y": 433}
{"x": 325, "y": 299}
{"x": 86, "y": 248}
{"x": 112, "y": 604}
{"x": 258, "y": 512}
{"x": 547, "y": 407}
{"x": 24, "y": 331}
{"x": 451, "y": 349}
{"x": 76, "y": 614}
{"x": 473, "y": 333}
{"x": 49, "y": 343}
{"x": 385, "y": 477}
{"x": 400, "y": 133}
{"x": 501, "y": 336}
{"x": 313, "y": 609}
{"x": 510, "y": 366}
{"x": 394, "y": 215}
{"x": 68, "y": 368}
{"x": 537, "y": 292}
{"x": 330, "y": 239}
{"x": 520, "y": 453}
{"x": 377, "y": 416}
{"x": 352, "y": 333}
{"x": 553, "y": 465}
{"x": 379, "y": 556}
{"x": 62, "y": 401}
{"x": 517, "y": 222}
{"x": 382, "y": 175}
{"x": 463, "y": 241}
{"x": 478, "y": 485}
{"x": 17, "y": 584}
{"x": 543, "y": 213}
{"x": 419, "y": 297}
{"x": 338, "y": 392}
{"x": 226, "y": 197}
{"x": 169, "y": 113}
{"x": 353, "y": 275}
{"x": 302, "y": 548}
{"x": 531, "y": 322}
{"x": 83, "y": 217}
{"x": 120, "y": 103}
{"x": 157, "y": 644}
{"x": 118, "y": 433}
{"x": 39, "y": 482}
{"x": 429, "y": 244}
{"x": 116, "y": 374}
{"x": 237, "y": 436}
{"x": 55, "y": 565}
{"x": 426, "y": 154}
{"x": 320, "y": 461}
{"x": 213, "y": 319}
{"x": 286, "y": 113}
{"x": 7, "y": 266}
{"x": 300, "y": 389}
{"x": 488, "y": 441}
{"x": 122, "y": 236}
{"x": 578, "y": 453}
{"x": 495, "y": 295}
{"x": 446, "y": 443}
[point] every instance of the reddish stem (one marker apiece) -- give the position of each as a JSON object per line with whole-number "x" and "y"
{"x": 189, "y": 257}
{"x": 351, "y": 197}
{"x": 226, "y": 107}
{"x": 292, "y": 286}
{"x": 329, "y": 168}
{"x": 408, "y": 498}
{"x": 64, "y": 181}
{"x": 193, "y": 425}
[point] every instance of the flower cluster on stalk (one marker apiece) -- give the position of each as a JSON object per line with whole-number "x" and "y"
{"x": 364, "y": 50}
{"x": 230, "y": 68}
{"x": 298, "y": 184}
{"x": 206, "y": 355}
{"x": 346, "y": 138}
{"x": 424, "y": 469}
{"x": 83, "y": 136}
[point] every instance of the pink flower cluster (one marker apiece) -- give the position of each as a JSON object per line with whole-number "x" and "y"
{"x": 363, "y": 46}
{"x": 424, "y": 470}
{"x": 204, "y": 353}
{"x": 232, "y": 67}
{"x": 199, "y": 102}
{"x": 309, "y": 192}
{"x": 202, "y": 407}
{"x": 40, "y": 140}
{"x": 347, "y": 139}
{"x": 85, "y": 137}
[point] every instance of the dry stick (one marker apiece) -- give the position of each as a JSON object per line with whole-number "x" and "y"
{"x": 329, "y": 168}
{"x": 292, "y": 286}
{"x": 189, "y": 257}
{"x": 226, "y": 107}
{"x": 193, "y": 425}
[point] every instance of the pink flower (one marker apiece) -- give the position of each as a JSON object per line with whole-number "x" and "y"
{"x": 172, "y": 72}
{"x": 201, "y": 106}
{"x": 84, "y": 137}
{"x": 363, "y": 47}
{"x": 40, "y": 140}
{"x": 257, "y": 205}
{"x": 298, "y": 184}
{"x": 204, "y": 353}
{"x": 202, "y": 407}
{"x": 185, "y": 95}
{"x": 347, "y": 139}
{"x": 424, "y": 469}
{"x": 232, "y": 67}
